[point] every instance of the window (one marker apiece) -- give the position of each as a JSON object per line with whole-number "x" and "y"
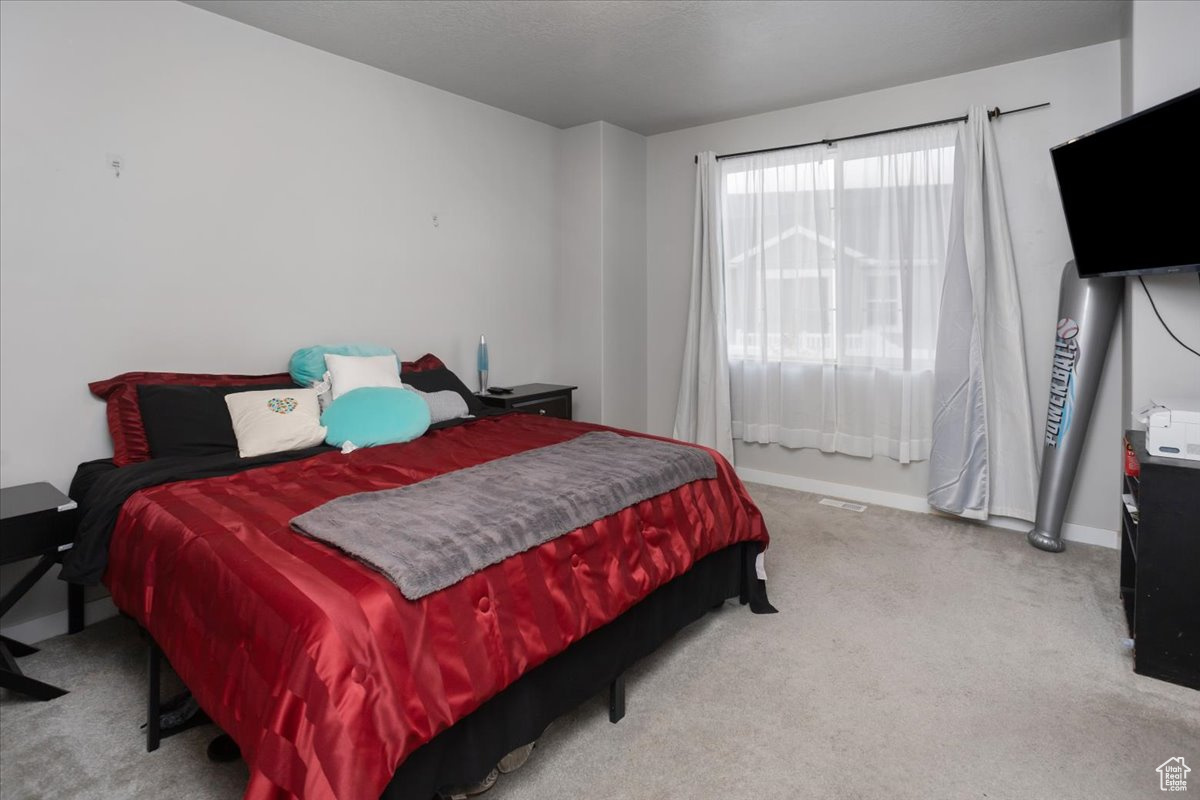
{"x": 834, "y": 259}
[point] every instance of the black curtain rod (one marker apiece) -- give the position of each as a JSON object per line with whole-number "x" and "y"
{"x": 992, "y": 114}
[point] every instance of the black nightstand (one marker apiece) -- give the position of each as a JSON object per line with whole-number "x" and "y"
{"x": 35, "y": 520}
{"x": 548, "y": 399}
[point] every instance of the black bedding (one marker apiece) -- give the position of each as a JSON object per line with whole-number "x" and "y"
{"x": 191, "y": 420}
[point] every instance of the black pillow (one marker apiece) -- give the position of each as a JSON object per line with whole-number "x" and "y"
{"x": 190, "y": 420}
{"x": 441, "y": 380}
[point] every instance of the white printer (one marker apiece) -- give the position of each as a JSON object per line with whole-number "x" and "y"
{"x": 1171, "y": 433}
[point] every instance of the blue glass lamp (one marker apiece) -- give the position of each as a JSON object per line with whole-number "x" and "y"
{"x": 482, "y": 363}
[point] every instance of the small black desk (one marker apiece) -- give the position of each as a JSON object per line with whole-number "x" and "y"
{"x": 36, "y": 520}
{"x": 547, "y": 399}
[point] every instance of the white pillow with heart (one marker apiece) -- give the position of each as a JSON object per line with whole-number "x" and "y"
{"x": 348, "y": 373}
{"x": 275, "y": 420}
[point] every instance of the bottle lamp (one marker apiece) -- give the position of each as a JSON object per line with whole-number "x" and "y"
{"x": 482, "y": 363}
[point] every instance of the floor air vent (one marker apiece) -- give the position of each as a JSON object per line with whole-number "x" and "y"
{"x": 826, "y": 501}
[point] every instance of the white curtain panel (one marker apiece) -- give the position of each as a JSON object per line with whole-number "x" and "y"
{"x": 702, "y": 414}
{"x": 834, "y": 261}
{"x": 984, "y": 455}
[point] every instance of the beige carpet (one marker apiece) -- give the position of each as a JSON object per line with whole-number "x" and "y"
{"x": 914, "y": 657}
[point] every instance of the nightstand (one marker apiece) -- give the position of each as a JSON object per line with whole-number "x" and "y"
{"x": 548, "y": 399}
{"x": 36, "y": 520}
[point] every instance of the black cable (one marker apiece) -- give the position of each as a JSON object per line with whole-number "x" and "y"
{"x": 1163, "y": 321}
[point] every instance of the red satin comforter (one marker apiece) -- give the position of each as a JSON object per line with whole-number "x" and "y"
{"x": 316, "y": 665}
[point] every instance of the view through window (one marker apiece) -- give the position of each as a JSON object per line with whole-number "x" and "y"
{"x": 836, "y": 255}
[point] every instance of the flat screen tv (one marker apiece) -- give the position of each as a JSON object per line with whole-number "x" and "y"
{"x": 1131, "y": 192}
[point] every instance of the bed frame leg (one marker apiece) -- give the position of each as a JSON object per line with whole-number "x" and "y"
{"x": 616, "y": 699}
{"x": 153, "y": 701}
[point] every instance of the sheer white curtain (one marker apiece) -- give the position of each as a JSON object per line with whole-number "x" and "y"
{"x": 834, "y": 259}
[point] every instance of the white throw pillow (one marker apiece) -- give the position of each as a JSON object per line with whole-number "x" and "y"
{"x": 275, "y": 420}
{"x": 355, "y": 372}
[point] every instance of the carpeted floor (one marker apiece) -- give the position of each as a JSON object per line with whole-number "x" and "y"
{"x": 914, "y": 657}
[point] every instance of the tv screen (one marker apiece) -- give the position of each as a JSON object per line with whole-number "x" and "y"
{"x": 1131, "y": 192}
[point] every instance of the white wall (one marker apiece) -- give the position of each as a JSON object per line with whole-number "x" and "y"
{"x": 273, "y": 196}
{"x": 1127, "y": 59}
{"x": 601, "y": 303}
{"x": 579, "y": 340}
{"x": 1083, "y": 87}
{"x": 1127, "y": 299}
{"x": 624, "y": 278}
{"x": 1164, "y": 50}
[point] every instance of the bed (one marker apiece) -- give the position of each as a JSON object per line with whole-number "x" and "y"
{"x": 331, "y": 682}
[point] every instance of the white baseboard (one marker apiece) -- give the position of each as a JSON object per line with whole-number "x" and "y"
{"x": 38, "y": 629}
{"x": 1083, "y": 534}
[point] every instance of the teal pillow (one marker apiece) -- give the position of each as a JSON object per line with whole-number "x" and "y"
{"x": 375, "y": 415}
{"x": 308, "y": 364}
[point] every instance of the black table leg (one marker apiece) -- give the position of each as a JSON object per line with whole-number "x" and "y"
{"x": 26, "y": 583}
{"x": 30, "y": 687}
{"x": 74, "y": 607}
{"x": 11, "y": 676}
{"x": 13, "y": 679}
{"x": 18, "y": 649}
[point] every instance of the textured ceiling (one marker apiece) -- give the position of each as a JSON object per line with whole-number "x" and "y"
{"x": 659, "y": 66}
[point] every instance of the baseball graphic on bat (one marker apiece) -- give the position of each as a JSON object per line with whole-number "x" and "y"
{"x": 1067, "y": 328}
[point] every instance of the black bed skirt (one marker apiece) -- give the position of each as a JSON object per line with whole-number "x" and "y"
{"x": 468, "y": 750}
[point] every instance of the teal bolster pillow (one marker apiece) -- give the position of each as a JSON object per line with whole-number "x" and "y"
{"x": 308, "y": 363}
{"x": 375, "y": 415}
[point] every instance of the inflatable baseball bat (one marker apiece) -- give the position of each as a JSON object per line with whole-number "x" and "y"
{"x": 1087, "y": 310}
